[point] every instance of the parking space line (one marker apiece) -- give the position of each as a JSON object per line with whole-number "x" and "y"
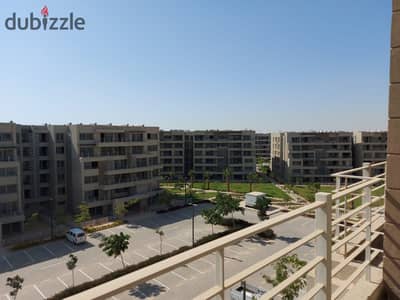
{"x": 29, "y": 256}
{"x": 207, "y": 261}
{"x": 7, "y": 296}
{"x": 62, "y": 282}
{"x": 138, "y": 254}
{"x": 172, "y": 246}
{"x": 68, "y": 246}
{"x": 48, "y": 250}
{"x": 154, "y": 249}
{"x": 179, "y": 276}
{"x": 8, "y": 263}
{"x": 105, "y": 267}
{"x": 194, "y": 269}
{"x": 39, "y": 291}
{"x": 160, "y": 283}
{"x": 86, "y": 275}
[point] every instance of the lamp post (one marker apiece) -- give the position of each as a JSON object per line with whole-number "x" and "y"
{"x": 193, "y": 210}
{"x": 184, "y": 183}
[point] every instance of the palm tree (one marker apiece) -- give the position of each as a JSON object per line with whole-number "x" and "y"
{"x": 16, "y": 284}
{"x": 252, "y": 177}
{"x": 115, "y": 245}
{"x": 71, "y": 264}
{"x": 227, "y": 176}
{"x": 161, "y": 234}
{"x": 191, "y": 176}
{"x": 207, "y": 180}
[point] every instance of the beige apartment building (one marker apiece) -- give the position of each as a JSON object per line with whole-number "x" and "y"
{"x": 214, "y": 151}
{"x": 172, "y": 153}
{"x": 11, "y": 208}
{"x": 369, "y": 146}
{"x": 113, "y": 164}
{"x": 306, "y": 157}
{"x": 263, "y": 146}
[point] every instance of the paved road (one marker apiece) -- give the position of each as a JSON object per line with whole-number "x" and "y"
{"x": 43, "y": 267}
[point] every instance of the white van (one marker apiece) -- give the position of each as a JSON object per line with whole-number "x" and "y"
{"x": 76, "y": 236}
{"x": 251, "y": 198}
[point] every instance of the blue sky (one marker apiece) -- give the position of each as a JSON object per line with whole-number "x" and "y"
{"x": 264, "y": 65}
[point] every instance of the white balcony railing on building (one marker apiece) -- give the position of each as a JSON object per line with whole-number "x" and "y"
{"x": 338, "y": 225}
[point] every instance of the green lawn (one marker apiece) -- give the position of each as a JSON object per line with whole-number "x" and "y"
{"x": 241, "y": 187}
{"x": 309, "y": 193}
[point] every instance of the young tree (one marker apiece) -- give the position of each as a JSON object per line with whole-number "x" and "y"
{"x": 207, "y": 180}
{"x": 225, "y": 204}
{"x": 285, "y": 267}
{"x": 262, "y": 205}
{"x": 227, "y": 176}
{"x": 71, "y": 264}
{"x": 252, "y": 177}
{"x": 191, "y": 178}
{"x": 120, "y": 210}
{"x": 16, "y": 284}
{"x": 165, "y": 197}
{"x": 115, "y": 245}
{"x": 83, "y": 214}
{"x": 212, "y": 217}
{"x": 161, "y": 235}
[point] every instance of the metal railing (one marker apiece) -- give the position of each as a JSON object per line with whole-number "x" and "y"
{"x": 336, "y": 226}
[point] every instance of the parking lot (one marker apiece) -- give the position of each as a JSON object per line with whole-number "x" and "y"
{"x": 45, "y": 273}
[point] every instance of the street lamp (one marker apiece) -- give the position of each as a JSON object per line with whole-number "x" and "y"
{"x": 193, "y": 206}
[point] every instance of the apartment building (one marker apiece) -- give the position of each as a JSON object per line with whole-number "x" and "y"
{"x": 113, "y": 164}
{"x": 305, "y": 157}
{"x": 172, "y": 153}
{"x": 369, "y": 146}
{"x": 11, "y": 209}
{"x": 214, "y": 151}
{"x": 263, "y": 146}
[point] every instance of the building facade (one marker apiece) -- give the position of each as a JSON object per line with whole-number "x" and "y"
{"x": 369, "y": 146}
{"x": 113, "y": 164}
{"x": 306, "y": 157}
{"x": 172, "y": 153}
{"x": 263, "y": 146}
{"x": 214, "y": 151}
{"x": 50, "y": 169}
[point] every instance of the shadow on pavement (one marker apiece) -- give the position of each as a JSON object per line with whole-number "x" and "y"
{"x": 147, "y": 290}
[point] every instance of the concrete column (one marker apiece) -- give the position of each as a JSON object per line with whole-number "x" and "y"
{"x": 323, "y": 245}
{"x": 367, "y": 215}
{"x": 219, "y": 271}
{"x": 391, "y": 263}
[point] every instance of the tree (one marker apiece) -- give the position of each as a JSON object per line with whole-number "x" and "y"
{"x": 16, "y": 284}
{"x": 191, "y": 177}
{"x": 207, "y": 180}
{"x": 120, "y": 210}
{"x": 71, "y": 264}
{"x": 284, "y": 268}
{"x": 115, "y": 245}
{"x": 165, "y": 197}
{"x": 160, "y": 234}
{"x": 252, "y": 177}
{"x": 212, "y": 217}
{"x": 83, "y": 214}
{"x": 262, "y": 205}
{"x": 225, "y": 204}
{"x": 227, "y": 176}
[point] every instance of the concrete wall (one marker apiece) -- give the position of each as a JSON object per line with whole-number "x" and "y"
{"x": 391, "y": 264}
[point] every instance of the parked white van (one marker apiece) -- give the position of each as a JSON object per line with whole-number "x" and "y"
{"x": 76, "y": 236}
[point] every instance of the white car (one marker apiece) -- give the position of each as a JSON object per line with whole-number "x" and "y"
{"x": 76, "y": 236}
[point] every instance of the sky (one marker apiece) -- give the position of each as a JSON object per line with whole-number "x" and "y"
{"x": 263, "y": 65}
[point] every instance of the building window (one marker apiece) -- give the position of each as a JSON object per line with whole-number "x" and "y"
{"x": 44, "y": 178}
{"x": 91, "y": 179}
{"x": 8, "y": 172}
{"x": 8, "y": 189}
{"x": 43, "y": 151}
{"x": 84, "y": 136}
{"x": 5, "y": 137}
{"x": 60, "y": 150}
{"x": 59, "y": 137}
{"x": 43, "y": 137}
{"x": 44, "y": 191}
{"x": 44, "y": 164}
{"x": 27, "y": 194}
{"x": 60, "y": 164}
{"x": 61, "y": 191}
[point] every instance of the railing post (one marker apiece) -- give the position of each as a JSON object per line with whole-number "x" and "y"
{"x": 323, "y": 245}
{"x": 367, "y": 215}
{"x": 219, "y": 270}
{"x": 337, "y": 210}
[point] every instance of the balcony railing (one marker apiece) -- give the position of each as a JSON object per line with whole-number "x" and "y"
{"x": 338, "y": 225}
